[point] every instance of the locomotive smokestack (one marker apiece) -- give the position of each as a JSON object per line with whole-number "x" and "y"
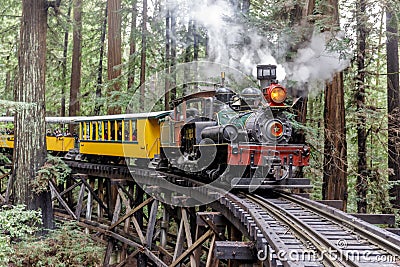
{"x": 266, "y": 74}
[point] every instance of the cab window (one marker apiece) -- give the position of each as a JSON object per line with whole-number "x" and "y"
{"x": 118, "y": 126}
{"x": 134, "y": 136}
{"x": 100, "y": 130}
{"x": 85, "y": 130}
{"x": 130, "y": 132}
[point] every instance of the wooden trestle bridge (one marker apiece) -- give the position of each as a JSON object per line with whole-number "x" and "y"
{"x": 237, "y": 229}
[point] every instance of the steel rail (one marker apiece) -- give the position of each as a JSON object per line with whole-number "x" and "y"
{"x": 304, "y": 232}
{"x": 389, "y": 241}
{"x": 274, "y": 241}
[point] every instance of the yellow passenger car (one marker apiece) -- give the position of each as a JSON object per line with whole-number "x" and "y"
{"x": 125, "y": 135}
{"x": 54, "y": 143}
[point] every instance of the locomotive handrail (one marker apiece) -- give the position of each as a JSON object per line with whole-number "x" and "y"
{"x": 201, "y": 94}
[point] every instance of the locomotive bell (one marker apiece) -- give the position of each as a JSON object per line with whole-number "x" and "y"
{"x": 266, "y": 74}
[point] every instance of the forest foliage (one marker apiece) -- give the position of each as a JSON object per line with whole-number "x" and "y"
{"x": 65, "y": 246}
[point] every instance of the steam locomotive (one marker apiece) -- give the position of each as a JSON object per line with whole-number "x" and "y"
{"x": 230, "y": 135}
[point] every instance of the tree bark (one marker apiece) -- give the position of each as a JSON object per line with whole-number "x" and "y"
{"x": 30, "y": 143}
{"x": 132, "y": 46}
{"x": 362, "y": 171}
{"x": 173, "y": 55}
{"x": 335, "y": 160}
{"x": 74, "y": 105}
{"x": 335, "y": 151}
{"x": 188, "y": 55}
{"x": 196, "y": 40}
{"x": 393, "y": 98}
{"x": 299, "y": 19}
{"x": 143, "y": 56}
{"x": 167, "y": 57}
{"x": 114, "y": 51}
{"x": 100, "y": 66}
{"x": 64, "y": 64}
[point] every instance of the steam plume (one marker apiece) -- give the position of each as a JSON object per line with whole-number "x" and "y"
{"x": 243, "y": 47}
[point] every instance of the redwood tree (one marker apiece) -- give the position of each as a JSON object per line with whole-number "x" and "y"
{"x": 393, "y": 98}
{"x": 143, "y": 55}
{"x": 114, "y": 49}
{"x": 173, "y": 58}
{"x": 362, "y": 171}
{"x": 132, "y": 46}
{"x": 30, "y": 140}
{"x": 100, "y": 64}
{"x": 64, "y": 63}
{"x": 335, "y": 160}
{"x": 335, "y": 151}
{"x": 74, "y": 106}
{"x": 167, "y": 56}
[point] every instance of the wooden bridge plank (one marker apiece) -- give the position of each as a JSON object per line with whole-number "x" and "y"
{"x": 389, "y": 219}
{"x": 210, "y": 252}
{"x": 129, "y": 214}
{"x": 151, "y": 224}
{"x": 192, "y": 248}
{"x": 234, "y": 250}
{"x": 189, "y": 240}
{"x": 61, "y": 200}
{"x": 145, "y": 250}
{"x": 80, "y": 201}
{"x": 179, "y": 242}
{"x": 83, "y": 180}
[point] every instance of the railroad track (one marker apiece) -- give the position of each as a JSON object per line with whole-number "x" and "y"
{"x": 301, "y": 232}
{"x": 286, "y": 230}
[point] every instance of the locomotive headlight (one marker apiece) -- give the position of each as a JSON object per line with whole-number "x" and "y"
{"x": 275, "y": 129}
{"x": 278, "y": 94}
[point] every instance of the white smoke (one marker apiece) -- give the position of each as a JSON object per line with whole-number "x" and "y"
{"x": 243, "y": 48}
{"x": 315, "y": 62}
{"x": 231, "y": 43}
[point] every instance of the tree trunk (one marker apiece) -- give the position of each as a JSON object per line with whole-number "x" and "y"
{"x": 335, "y": 160}
{"x": 30, "y": 142}
{"x": 64, "y": 64}
{"x": 393, "y": 103}
{"x": 188, "y": 55}
{"x": 132, "y": 47}
{"x": 100, "y": 66}
{"x": 196, "y": 38}
{"x": 362, "y": 172}
{"x": 167, "y": 57}
{"x": 299, "y": 19}
{"x": 335, "y": 151}
{"x": 143, "y": 56}
{"x": 114, "y": 51}
{"x": 173, "y": 55}
{"x": 74, "y": 106}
